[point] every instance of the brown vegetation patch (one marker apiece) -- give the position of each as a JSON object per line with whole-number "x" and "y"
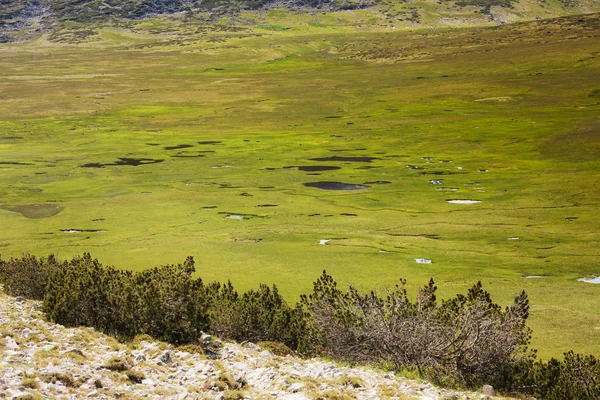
{"x": 579, "y": 144}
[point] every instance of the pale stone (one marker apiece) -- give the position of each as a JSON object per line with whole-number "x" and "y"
{"x": 488, "y": 390}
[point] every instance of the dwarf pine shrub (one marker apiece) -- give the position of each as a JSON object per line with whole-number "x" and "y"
{"x": 27, "y": 276}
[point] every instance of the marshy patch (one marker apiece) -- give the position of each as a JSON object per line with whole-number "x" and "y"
{"x": 73, "y": 230}
{"x": 124, "y": 161}
{"x": 179, "y": 146}
{"x": 35, "y": 211}
{"x": 463, "y": 201}
{"x": 533, "y": 276}
{"x": 267, "y": 205}
{"x": 345, "y": 159}
{"x": 317, "y": 168}
{"x": 330, "y": 185}
{"x": 348, "y": 215}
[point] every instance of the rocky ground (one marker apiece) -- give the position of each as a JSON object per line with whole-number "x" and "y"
{"x": 42, "y": 360}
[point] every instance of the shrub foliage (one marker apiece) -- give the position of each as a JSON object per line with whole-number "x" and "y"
{"x": 467, "y": 340}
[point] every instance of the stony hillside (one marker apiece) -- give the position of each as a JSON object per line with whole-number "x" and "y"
{"x": 44, "y": 360}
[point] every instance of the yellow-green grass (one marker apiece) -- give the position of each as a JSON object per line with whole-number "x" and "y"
{"x": 516, "y": 108}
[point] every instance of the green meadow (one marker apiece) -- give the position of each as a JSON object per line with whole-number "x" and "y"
{"x": 146, "y": 142}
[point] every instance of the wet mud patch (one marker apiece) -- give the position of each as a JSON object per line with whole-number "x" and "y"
{"x": 579, "y": 144}
{"x": 123, "y": 161}
{"x": 179, "y": 146}
{"x": 72, "y": 230}
{"x": 210, "y": 142}
{"x": 328, "y": 185}
{"x": 317, "y": 168}
{"x": 35, "y": 211}
{"x": 345, "y": 159}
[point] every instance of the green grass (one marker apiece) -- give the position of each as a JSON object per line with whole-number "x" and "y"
{"x": 515, "y": 107}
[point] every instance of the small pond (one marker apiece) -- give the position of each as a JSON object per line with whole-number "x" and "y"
{"x": 328, "y": 185}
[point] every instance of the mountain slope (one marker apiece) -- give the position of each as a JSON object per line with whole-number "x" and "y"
{"x": 20, "y": 19}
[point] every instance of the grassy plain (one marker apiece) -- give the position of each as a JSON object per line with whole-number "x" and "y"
{"x": 219, "y": 120}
